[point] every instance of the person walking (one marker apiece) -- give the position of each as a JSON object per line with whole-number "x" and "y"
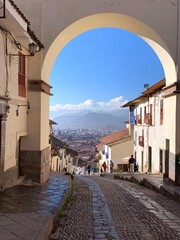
{"x": 131, "y": 164}
{"x": 111, "y": 166}
{"x": 104, "y": 166}
{"x": 89, "y": 168}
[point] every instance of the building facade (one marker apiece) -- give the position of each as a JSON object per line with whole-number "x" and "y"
{"x": 116, "y": 147}
{"x": 147, "y": 119}
{"x": 16, "y": 159}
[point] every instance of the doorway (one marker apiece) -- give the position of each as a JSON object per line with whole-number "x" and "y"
{"x": 166, "y": 173}
{"x": 18, "y": 157}
{"x": 149, "y": 159}
{"x": 160, "y": 161}
{"x": 142, "y": 161}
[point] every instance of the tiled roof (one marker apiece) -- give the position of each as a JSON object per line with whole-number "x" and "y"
{"x": 156, "y": 87}
{"x": 51, "y": 122}
{"x": 57, "y": 143}
{"x": 99, "y": 146}
{"x": 151, "y": 90}
{"x": 19, "y": 11}
{"x": 33, "y": 36}
{"x": 115, "y": 137}
{"x": 31, "y": 33}
{"x": 71, "y": 152}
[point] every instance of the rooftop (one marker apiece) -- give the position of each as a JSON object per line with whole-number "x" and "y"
{"x": 115, "y": 137}
{"x": 151, "y": 90}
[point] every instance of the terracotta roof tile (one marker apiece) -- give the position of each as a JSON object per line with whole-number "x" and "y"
{"x": 57, "y": 143}
{"x": 33, "y": 36}
{"x": 31, "y": 33}
{"x": 115, "y": 137}
{"x": 99, "y": 146}
{"x": 71, "y": 152}
{"x": 51, "y": 122}
{"x": 19, "y": 11}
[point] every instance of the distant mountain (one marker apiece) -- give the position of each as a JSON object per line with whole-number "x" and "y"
{"x": 93, "y": 120}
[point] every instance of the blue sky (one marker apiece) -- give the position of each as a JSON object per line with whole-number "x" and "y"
{"x": 102, "y": 69}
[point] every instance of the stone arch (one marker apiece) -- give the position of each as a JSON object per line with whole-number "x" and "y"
{"x": 114, "y": 20}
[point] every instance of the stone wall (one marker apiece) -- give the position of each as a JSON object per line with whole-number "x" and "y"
{"x": 35, "y": 165}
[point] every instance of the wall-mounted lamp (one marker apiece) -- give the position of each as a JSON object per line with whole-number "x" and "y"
{"x": 33, "y": 48}
{"x": 22, "y": 105}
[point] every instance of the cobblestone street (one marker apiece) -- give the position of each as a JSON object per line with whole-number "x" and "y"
{"x": 103, "y": 208}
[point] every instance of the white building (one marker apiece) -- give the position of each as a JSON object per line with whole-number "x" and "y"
{"x": 146, "y": 115}
{"x": 62, "y": 157}
{"x": 58, "y": 154}
{"x": 116, "y": 147}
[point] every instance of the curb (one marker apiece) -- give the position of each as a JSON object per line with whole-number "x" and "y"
{"x": 48, "y": 225}
{"x": 150, "y": 185}
{"x": 177, "y": 196}
{"x": 67, "y": 194}
{"x": 163, "y": 189}
{"x": 165, "y": 192}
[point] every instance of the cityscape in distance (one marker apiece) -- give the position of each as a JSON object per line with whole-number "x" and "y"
{"x": 81, "y": 131}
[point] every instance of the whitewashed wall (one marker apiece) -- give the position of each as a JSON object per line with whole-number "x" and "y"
{"x": 153, "y": 135}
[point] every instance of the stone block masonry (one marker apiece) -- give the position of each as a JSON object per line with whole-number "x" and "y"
{"x": 35, "y": 165}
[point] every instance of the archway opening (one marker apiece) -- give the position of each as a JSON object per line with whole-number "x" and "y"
{"x": 115, "y": 21}
{"x": 100, "y": 70}
{"x": 120, "y": 22}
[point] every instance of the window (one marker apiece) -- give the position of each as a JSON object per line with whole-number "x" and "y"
{"x": 145, "y": 110}
{"x": 21, "y": 76}
{"x": 161, "y": 112}
{"x": 135, "y": 138}
{"x": 139, "y": 117}
{"x": 148, "y": 116}
{"x": 141, "y": 139}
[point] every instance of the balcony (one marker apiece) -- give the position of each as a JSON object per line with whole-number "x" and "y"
{"x": 141, "y": 141}
{"x": 148, "y": 118}
{"x": 139, "y": 119}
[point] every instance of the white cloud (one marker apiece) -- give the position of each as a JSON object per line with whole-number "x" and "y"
{"x": 113, "y": 104}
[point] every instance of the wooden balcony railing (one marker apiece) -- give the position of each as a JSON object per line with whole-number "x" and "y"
{"x": 139, "y": 119}
{"x": 148, "y": 118}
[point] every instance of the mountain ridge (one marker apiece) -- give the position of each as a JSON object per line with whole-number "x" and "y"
{"x": 91, "y": 120}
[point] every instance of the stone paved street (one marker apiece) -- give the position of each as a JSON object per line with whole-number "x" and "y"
{"x": 78, "y": 223}
{"x": 104, "y": 208}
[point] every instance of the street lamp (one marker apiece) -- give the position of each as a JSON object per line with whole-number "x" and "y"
{"x": 33, "y": 48}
